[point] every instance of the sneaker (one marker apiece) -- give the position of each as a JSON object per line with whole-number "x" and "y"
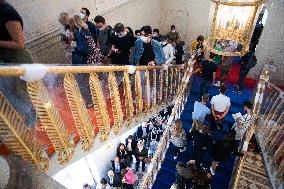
{"x": 217, "y": 84}
{"x": 212, "y": 172}
{"x": 182, "y": 150}
{"x": 175, "y": 157}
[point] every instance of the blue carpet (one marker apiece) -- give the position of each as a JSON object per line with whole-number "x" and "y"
{"x": 221, "y": 179}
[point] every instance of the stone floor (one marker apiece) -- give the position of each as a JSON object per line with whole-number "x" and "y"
{"x": 253, "y": 174}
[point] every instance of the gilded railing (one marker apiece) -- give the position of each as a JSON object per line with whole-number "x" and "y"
{"x": 268, "y": 129}
{"x": 270, "y": 133}
{"x": 158, "y": 158}
{"x": 76, "y": 104}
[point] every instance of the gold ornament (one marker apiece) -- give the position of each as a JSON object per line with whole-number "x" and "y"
{"x": 115, "y": 102}
{"x": 15, "y": 135}
{"x": 99, "y": 101}
{"x": 51, "y": 121}
{"x": 79, "y": 112}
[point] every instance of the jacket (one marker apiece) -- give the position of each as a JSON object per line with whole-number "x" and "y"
{"x": 122, "y": 166}
{"x": 139, "y": 132}
{"x": 139, "y": 49}
{"x": 129, "y": 177}
{"x": 143, "y": 153}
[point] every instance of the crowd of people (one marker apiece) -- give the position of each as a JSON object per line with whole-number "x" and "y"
{"x": 133, "y": 155}
{"x": 97, "y": 43}
{"x": 100, "y": 44}
{"x": 206, "y": 122}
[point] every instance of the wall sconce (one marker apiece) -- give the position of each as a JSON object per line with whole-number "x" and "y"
{"x": 233, "y": 25}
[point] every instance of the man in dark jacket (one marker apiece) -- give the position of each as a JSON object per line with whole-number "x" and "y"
{"x": 142, "y": 132}
{"x": 248, "y": 61}
{"x": 85, "y": 14}
{"x": 202, "y": 141}
{"x": 141, "y": 153}
{"x": 117, "y": 167}
{"x": 130, "y": 146}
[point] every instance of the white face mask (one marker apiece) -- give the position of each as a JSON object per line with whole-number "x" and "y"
{"x": 144, "y": 39}
{"x": 173, "y": 30}
{"x": 155, "y": 35}
{"x": 82, "y": 16}
{"x": 164, "y": 42}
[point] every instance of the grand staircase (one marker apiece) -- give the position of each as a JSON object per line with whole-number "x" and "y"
{"x": 221, "y": 180}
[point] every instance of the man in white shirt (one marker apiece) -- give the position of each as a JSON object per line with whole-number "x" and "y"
{"x": 220, "y": 105}
{"x": 168, "y": 50}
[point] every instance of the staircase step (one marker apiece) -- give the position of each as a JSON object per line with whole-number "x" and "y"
{"x": 221, "y": 179}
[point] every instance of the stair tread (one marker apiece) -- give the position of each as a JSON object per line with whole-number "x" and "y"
{"x": 221, "y": 179}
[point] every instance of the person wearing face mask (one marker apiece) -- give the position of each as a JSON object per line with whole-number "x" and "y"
{"x": 121, "y": 42}
{"x": 84, "y": 15}
{"x": 146, "y": 50}
{"x": 173, "y": 35}
{"x": 156, "y": 35}
{"x": 167, "y": 49}
{"x": 85, "y": 52}
{"x": 104, "y": 34}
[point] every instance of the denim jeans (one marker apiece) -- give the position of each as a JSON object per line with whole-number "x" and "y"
{"x": 204, "y": 87}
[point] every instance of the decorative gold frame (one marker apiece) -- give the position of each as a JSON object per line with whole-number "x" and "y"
{"x": 242, "y": 35}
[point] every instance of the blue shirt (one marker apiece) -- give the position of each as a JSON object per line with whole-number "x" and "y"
{"x": 200, "y": 111}
{"x": 117, "y": 168}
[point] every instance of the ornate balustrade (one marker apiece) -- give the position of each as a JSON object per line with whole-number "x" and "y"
{"x": 270, "y": 133}
{"x": 122, "y": 96}
{"x": 155, "y": 165}
{"x": 268, "y": 129}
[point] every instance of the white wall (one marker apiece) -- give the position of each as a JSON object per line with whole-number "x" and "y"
{"x": 91, "y": 167}
{"x": 191, "y": 17}
{"x": 271, "y": 43}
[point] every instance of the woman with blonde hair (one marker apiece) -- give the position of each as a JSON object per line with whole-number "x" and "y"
{"x": 84, "y": 52}
{"x": 67, "y": 35}
{"x": 178, "y": 139}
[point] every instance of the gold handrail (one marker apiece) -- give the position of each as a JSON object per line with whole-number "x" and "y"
{"x": 157, "y": 160}
{"x": 119, "y": 107}
{"x": 13, "y": 70}
{"x": 268, "y": 129}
